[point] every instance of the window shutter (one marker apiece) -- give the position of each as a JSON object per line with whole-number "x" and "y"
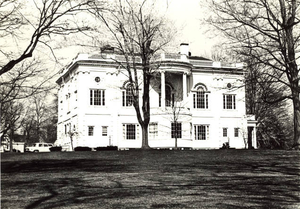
{"x": 123, "y": 98}
{"x": 124, "y": 131}
{"x": 103, "y": 97}
{"x": 91, "y": 97}
{"x": 194, "y": 100}
{"x": 207, "y": 132}
{"x": 234, "y": 107}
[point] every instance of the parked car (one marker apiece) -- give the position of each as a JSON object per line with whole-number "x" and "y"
{"x": 39, "y": 147}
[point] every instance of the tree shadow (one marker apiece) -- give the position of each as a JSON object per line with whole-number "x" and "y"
{"x": 35, "y": 204}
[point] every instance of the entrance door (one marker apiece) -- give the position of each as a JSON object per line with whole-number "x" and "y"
{"x": 250, "y": 130}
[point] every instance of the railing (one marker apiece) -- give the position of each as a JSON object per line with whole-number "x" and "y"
{"x": 202, "y": 63}
{"x": 162, "y": 57}
{"x": 173, "y": 56}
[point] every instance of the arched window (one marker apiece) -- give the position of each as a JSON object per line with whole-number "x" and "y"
{"x": 127, "y": 98}
{"x": 200, "y": 98}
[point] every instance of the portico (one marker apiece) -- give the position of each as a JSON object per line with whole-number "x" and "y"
{"x": 184, "y": 92}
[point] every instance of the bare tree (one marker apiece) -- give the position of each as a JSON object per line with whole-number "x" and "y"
{"x": 51, "y": 20}
{"x": 26, "y": 80}
{"x": 137, "y": 35}
{"x": 267, "y": 32}
{"x": 175, "y": 112}
{"x": 11, "y": 120}
{"x": 40, "y": 113}
{"x": 72, "y": 133}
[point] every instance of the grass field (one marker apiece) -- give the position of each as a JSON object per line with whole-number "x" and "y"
{"x": 151, "y": 179}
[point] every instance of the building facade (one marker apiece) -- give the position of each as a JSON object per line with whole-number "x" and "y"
{"x": 193, "y": 99}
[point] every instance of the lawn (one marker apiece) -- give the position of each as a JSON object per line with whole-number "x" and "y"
{"x": 151, "y": 179}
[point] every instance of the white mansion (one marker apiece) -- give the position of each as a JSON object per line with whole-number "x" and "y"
{"x": 209, "y": 99}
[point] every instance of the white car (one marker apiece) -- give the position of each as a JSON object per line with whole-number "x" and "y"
{"x": 39, "y": 147}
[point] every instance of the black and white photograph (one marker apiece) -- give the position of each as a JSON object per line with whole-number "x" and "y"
{"x": 137, "y": 104}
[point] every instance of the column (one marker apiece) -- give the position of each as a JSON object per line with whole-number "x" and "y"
{"x": 163, "y": 89}
{"x": 184, "y": 87}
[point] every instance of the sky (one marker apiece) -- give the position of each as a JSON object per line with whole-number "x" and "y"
{"x": 188, "y": 17}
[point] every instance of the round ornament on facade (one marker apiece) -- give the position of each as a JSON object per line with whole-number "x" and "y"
{"x": 229, "y": 85}
{"x": 97, "y": 79}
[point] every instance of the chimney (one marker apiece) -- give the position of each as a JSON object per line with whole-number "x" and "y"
{"x": 184, "y": 49}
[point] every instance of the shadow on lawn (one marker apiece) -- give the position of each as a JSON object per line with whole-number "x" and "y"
{"x": 213, "y": 179}
{"x": 44, "y": 199}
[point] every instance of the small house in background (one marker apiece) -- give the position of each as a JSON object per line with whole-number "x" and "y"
{"x": 95, "y": 104}
{"x": 17, "y": 146}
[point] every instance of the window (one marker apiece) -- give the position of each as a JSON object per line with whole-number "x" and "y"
{"x": 97, "y": 97}
{"x": 104, "y": 130}
{"x": 169, "y": 97}
{"x": 153, "y": 130}
{"x": 200, "y": 98}
{"x": 127, "y": 98}
{"x": 68, "y": 102}
{"x": 229, "y": 101}
{"x": 225, "y": 132}
{"x": 236, "y": 132}
{"x": 201, "y": 132}
{"x": 130, "y": 131}
{"x": 176, "y": 130}
{"x": 91, "y": 131}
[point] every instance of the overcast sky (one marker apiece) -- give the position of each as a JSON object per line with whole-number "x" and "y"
{"x": 188, "y": 16}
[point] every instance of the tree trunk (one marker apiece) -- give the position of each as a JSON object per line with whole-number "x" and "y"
{"x": 11, "y": 140}
{"x": 72, "y": 149}
{"x": 145, "y": 144}
{"x": 296, "y": 105}
{"x": 145, "y": 108}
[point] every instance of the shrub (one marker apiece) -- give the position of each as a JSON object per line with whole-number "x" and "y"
{"x": 106, "y": 148}
{"x": 56, "y": 149}
{"x": 83, "y": 149}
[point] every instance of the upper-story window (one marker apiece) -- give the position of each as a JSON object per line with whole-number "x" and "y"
{"x": 127, "y": 98}
{"x": 229, "y": 101}
{"x": 97, "y": 97}
{"x": 200, "y": 98}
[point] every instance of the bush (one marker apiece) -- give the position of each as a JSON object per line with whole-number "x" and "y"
{"x": 83, "y": 149}
{"x": 55, "y": 149}
{"x": 106, "y": 148}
